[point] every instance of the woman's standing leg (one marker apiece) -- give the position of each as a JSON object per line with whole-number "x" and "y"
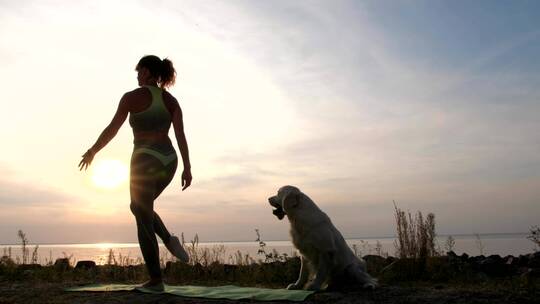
{"x": 143, "y": 181}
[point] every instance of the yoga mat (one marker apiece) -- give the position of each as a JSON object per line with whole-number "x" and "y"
{"x": 219, "y": 292}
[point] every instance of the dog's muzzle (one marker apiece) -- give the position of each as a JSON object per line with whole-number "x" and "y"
{"x": 278, "y": 212}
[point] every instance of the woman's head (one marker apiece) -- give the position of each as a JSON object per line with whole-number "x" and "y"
{"x": 150, "y": 68}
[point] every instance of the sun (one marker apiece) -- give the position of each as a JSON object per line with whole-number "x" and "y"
{"x": 109, "y": 173}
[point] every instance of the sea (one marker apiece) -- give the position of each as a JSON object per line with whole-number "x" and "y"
{"x": 232, "y": 252}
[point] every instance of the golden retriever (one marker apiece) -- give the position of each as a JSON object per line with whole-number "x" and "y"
{"x": 326, "y": 258}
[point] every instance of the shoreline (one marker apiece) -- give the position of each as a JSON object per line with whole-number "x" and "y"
{"x": 440, "y": 279}
{"x": 473, "y": 235}
{"x": 419, "y": 294}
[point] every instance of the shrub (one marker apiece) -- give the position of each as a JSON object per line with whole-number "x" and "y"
{"x": 24, "y": 242}
{"x": 415, "y": 236}
{"x": 450, "y": 243}
{"x": 534, "y": 236}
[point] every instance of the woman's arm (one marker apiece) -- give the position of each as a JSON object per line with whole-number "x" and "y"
{"x": 108, "y": 133}
{"x": 178, "y": 125}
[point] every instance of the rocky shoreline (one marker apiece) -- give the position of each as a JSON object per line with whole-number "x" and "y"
{"x": 441, "y": 279}
{"x": 492, "y": 265}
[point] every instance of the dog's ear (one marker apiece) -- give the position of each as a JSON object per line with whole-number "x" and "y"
{"x": 290, "y": 200}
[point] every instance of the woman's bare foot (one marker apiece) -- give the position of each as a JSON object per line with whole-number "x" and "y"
{"x": 175, "y": 247}
{"x": 153, "y": 285}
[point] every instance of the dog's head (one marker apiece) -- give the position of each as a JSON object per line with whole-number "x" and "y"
{"x": 285, "y": 201}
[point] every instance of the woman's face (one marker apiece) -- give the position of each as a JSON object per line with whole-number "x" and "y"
{"x": 142, "y": 75}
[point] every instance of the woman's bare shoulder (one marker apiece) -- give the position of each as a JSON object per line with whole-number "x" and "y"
{"x": 136, "y": 92}
{"x": 169, "y": 96}
{"x": 135, "y": 95}
{"x": 170, "y": 100}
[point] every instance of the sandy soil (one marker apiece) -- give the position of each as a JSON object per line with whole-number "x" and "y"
{"x": 22, "y": 292}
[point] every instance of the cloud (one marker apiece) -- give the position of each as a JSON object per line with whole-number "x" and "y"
{"x": 234, "y": 181}
{"x": 18, "y": 195}
{"x": 356, "y": 103}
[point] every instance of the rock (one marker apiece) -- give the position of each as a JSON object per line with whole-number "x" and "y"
{"x": 438, "y": 287}
{"x": 529, "y": 277}
{"x": 493, "y": 266}
{"x": 523, "y": 260}
{"x": 7, "y": 261}
{"x": 451, "y": 255}
{"x": 177, "y": 266}
{"x": 475, "y": 260}
{"x": 390, "y": 260}
{"x": 227, "y": 268}
{"x": 495, "y": 257}
{"x": 62, "y": 264}
{"x": 28, "y": 273}
{"x": 374, "y": 259}
{"x": 453, "y": 258}
{"x": 198, "y": 269}
{"x": 522, "y": 270}
{"x": 535, "y": 273}
{"x": 512, "y": 264}
{"x": 85, "y": 265}
{"x": 509, "y": 260}
{"x": 534, "y": 260}
{"x": 168, "y": 266}
{"x": 29, "y": 266}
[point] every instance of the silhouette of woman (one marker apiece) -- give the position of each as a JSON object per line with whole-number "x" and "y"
{"x": 153, "y": 162}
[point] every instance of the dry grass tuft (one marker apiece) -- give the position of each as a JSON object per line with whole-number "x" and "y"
{"x": 415, "y": 236}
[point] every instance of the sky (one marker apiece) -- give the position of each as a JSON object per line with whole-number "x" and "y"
{"x": 431, "y": 104}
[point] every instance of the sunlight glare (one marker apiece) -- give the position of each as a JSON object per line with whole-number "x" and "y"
{"x": 109, "y": 173}
{"x": 104, "y": 245}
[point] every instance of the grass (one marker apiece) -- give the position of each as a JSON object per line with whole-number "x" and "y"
{"x": 534, "y": 236}
{"x": 415, "y": 236}
{"x": 207, "y": 266}
{"x": 418, "y": 261}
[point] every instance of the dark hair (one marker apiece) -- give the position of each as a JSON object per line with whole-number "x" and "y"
{"x": 163, "y": 70}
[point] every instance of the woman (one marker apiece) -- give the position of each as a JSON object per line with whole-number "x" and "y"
{"x": 153, "y": 162}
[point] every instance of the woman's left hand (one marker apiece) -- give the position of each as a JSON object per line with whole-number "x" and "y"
{"x": 186, "y": 179}
{"x": 87, "y": 160}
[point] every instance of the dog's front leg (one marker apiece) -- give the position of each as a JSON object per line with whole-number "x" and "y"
{"x": 322, "y": 272}
{"x": 303, "y": 276}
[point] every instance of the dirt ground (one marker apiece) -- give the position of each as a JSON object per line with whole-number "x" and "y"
{"x": 22, "y": 292}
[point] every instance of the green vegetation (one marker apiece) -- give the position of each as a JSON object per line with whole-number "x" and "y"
{"x": 418, "y": 262}
{"x": 534, "y": 236}
{"x": 415, "y": 237}
{"x": 449, "y": 243}
{"x": 207, "y": 266}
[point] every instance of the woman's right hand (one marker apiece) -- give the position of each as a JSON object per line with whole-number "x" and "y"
{"x": 86, "y": 159}
{"x": 186, "y": 179}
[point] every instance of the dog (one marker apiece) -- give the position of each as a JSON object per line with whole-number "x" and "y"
{"x": 325, "y": 256}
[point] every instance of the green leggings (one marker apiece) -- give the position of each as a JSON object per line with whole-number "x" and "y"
{"x": 148, "y": 178}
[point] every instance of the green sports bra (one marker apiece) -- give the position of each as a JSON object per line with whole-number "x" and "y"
{"x": 154, "y": 118}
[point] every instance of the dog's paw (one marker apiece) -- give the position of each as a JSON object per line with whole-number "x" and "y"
{"x": 294, "y": 286}
{"x": 313, "y": 287}
{"x": 369, "y": 286}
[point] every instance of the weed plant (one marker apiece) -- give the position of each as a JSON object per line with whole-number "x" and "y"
{"x": 419, "y": 261}
{"x": 274, "y": 255}
{"x": 479, "y": 244}
{"x": 534, "y": 236}
{"x": 415, "y": 245}
{"x": 415, "y": 236}
{"x": 24, "y": 242}
{"x": 449, "y": 243}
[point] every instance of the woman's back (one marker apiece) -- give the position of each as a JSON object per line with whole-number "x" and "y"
{"x": 149, "y": 111}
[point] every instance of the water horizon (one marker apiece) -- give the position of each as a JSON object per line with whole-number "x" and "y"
{"x": 472, "y": 244}
{"x": 277, "y": 240}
